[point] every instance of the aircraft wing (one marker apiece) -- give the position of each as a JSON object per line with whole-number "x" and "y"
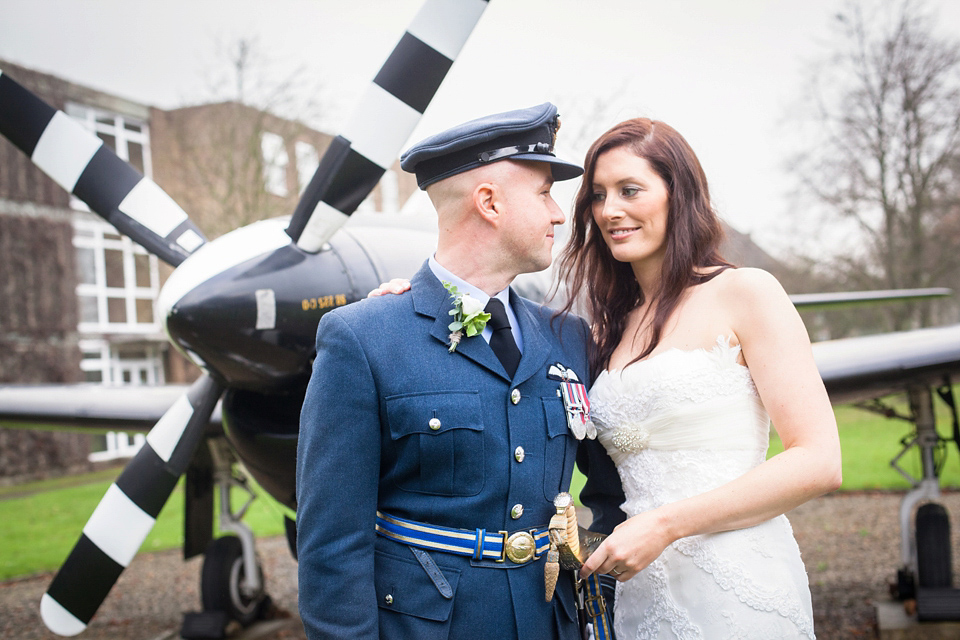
{"x": 832, "y": 300}
{"x": 872, "y": 366}
{"x": 87, "y": 407}
{"x": 852, "y": 369}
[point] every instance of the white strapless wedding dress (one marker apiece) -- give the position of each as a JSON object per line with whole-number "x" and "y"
{"x": 677, "y": 425}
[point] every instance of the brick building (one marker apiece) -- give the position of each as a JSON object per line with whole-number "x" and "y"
{"x": 79, "y": 299}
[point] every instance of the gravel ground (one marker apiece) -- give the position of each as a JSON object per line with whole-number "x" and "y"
{"x": 850, "y": 545}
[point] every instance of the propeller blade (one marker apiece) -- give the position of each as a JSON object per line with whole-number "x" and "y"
{"x": 388, "y": 113}
{"x": 78, "y": 161}
{"x": 127, "y": 512}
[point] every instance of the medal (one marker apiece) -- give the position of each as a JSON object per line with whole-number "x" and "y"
{"x": 576, "y": 403}
{"x": 577, "y": 407}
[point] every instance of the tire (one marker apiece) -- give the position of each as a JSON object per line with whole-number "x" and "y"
{"x": 934, "y": 567}
{"x": 220, "y": 581}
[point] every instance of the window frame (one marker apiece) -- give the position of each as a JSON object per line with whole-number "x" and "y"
{"x": 92, "y": 234}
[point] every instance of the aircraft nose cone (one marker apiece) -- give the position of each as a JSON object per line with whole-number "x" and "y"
{"x": 188, "y": 299}
{"x": 245, "y": 306}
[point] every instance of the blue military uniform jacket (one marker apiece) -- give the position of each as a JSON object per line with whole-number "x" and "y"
{"x": 382, "y": 374}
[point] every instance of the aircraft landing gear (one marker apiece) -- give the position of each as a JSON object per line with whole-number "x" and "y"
{"x": 926, "y": 574}
{"x": 223, "y": 586}
{"x": 232, "y": 586}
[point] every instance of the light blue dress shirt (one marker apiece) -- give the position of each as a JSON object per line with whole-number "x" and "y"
{"x": 445, "y": 275}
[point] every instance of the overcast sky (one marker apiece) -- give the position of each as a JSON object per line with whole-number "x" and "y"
{"x": 722, "y": 72}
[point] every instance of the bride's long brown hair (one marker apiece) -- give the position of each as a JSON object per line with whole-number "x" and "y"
{"x": 608, "y": 287}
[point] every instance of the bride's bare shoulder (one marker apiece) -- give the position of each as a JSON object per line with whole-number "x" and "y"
{"x": 748, "y": 282}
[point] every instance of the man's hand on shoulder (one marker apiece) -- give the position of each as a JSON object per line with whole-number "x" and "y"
{"x": 395, "y": 286}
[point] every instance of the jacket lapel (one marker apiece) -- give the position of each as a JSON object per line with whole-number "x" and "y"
{"x": 432, "y": 300}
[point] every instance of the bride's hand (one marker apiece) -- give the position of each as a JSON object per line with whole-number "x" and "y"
{"x": 397, "y": 285}
{"x": 633, "y": 545}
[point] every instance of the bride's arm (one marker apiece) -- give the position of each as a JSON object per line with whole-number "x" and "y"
{"x": 777, "y": 350}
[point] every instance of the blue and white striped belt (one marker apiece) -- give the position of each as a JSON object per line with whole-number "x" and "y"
{"x": 518, "y": 547}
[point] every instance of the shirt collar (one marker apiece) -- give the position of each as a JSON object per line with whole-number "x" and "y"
{"x": 445, "y": 275}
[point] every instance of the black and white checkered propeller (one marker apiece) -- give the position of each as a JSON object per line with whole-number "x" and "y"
{"x": 79, "y": 162}
{"x": 127, "y": 512}
{"x": 387, "y": 114}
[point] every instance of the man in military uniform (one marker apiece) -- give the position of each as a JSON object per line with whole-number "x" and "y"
{"x": 429, "y": 457}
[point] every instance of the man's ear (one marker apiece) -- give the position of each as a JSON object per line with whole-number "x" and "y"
{"x": 486, "y": 202}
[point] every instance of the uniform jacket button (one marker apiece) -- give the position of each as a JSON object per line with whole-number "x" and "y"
{"x": 515, "y": 396}
{"x": 517, "y": 511}
{"x": 388, "y": 599}
{"x": 519, "y": 454}
{"x": 434, "y": 423}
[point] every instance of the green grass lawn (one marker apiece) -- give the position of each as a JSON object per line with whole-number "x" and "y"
{"x": 42, "y": 521}
{"x": 40, "y": 528}
{"x": 870, "y": 441}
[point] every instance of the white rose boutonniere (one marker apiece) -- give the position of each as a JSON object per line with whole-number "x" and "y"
{"x": 468, "y": 316}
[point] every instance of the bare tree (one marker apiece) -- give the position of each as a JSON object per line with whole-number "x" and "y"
{"x": 234, "y": 158}
{"x": 882, "y": 152}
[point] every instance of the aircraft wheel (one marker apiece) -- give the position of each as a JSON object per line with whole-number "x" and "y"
{"x": 221, "y": 582}
{"x": 933, "y": 546}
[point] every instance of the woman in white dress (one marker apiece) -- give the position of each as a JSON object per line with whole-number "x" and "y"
{"x": 695, "y": 359}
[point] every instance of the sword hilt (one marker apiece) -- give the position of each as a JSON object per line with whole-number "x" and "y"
{"x": 574, "y": 544}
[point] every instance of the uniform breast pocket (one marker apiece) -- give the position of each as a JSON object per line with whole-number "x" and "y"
{"x": 561, "y": 449}
{"x": 438, "y": 441}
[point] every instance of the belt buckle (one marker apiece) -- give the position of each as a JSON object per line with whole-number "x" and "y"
{"x": 520, "y": 547}
{"x": 595, "y": 606}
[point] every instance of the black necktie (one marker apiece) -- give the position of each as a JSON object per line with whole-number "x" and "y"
{"x": 502, "y": 341}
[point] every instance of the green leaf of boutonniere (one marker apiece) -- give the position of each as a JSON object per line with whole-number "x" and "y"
{"x": 468, "y": 316}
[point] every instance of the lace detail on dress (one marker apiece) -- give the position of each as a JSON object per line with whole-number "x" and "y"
{"x": 653, "y": 478}
{"x": 663, "y": 608}
{"x": 732, "y": 577}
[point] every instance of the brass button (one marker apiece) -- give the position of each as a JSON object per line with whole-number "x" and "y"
{"x": 515, "y": 396}
{"x": 519, "y": 454}
{"x": 517, "y": 511}
{"x": 388, "y": 599}
{"x": 434, "y": 423}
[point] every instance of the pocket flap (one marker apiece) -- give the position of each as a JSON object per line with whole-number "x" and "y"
{"x": 403, "y": 586}
{"x": 556, "y": 417}
{"x": 433, "y": 413}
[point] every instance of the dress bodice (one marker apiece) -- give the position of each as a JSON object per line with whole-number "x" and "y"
{"x": 681, "y": 400}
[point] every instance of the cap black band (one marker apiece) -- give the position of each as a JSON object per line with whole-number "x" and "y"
{"x": 541, "y": 148}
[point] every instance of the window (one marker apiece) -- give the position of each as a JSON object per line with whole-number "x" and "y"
{"x": 275, "y": 162}
{"x": 132, "y": 364}
{"x": 137, "y": 364}
{"x": 117, "y": 281}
